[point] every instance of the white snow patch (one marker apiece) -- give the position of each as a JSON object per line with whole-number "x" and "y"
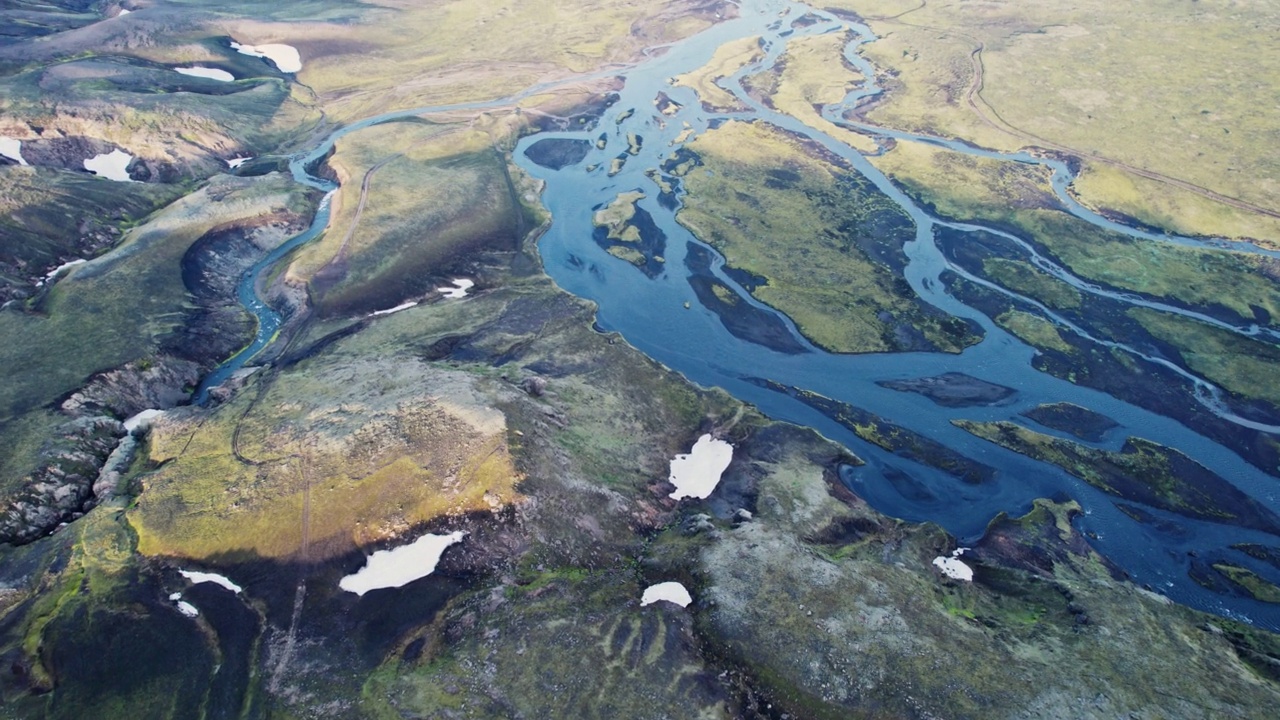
{"x": 142, "y": 419}
{"x": 187, "y": 609}
{"x": 400, "y": 566}
{"x": 175, "y": 596}
{"x": 672, "y": 592}
{"x": 203, "y": 577}
{"x": 111, "y": 166}
{"x": 204, "y": 72}
{"x": 396, "y": 309}
{"x": 285, "y": 57}
{"x": 236, "y": 162}
{"x": 952, "y": 567}
{"x": 698, "y": 473}
{"x": 123, "y": 12}
{"x": 58, "y": 270}
{"x": 461, "y": 286}
{"x": 12, "y": 149}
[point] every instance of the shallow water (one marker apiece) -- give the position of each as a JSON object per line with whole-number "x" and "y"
{"x": 662, "y": 317}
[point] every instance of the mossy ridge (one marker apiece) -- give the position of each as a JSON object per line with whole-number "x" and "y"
{"x": 118, "y": 308}
{"x": 871, "y": 627}
{"x": 100, "y": 635}
{"x": 1142, "y": 471}
{"x": 414, "y": 199}
{"x": 371, "y": 470}
{"x": 829, "y": 245}
{"x": 1252, "y": 583}
{"x": 586, "y": 636}
{"x": 52, "y": 216}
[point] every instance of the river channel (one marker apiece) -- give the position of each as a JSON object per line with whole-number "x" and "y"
{"x": 662, "y": 317}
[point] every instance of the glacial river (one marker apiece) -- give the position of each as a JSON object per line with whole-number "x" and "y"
{"x": 651, "y": 314}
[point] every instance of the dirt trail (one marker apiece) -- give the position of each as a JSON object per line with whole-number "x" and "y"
{"x": 290, "y": 640}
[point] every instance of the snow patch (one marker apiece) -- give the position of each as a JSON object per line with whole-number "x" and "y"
{"x": 204, "y": 72}
{"x": 12, "y": 149}
{"x": 698, "y": 473}
{"x": 188, "y": 609}
{"x": 459, "y": 290}
{"x": 672, "y": 592}
{"x": 111, "y": 166}
{"x": 400, "y": 566}
{"x": 952, "y": 567}
{"x": 203, "y": 577}
{"x": 285, "y": 57}
{"x": 236, "y": 162}
{"x": 49, "y": 276}
{"x": 142, "y": 420}
{"x": 396, "y": 309}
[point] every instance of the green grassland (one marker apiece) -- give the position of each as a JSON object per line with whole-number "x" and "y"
{"x": 1239, "y": 365}
{"x": 727, "y": 60}
{"x": 415, "y": 198}
{"x": 120, "y": 309}
{"x": 50, "y": 216}
{"x": 1101, "y": 80}
{"x": 1016, "y": 197}
{"x": 813, "y": 73}
{"x": 117, "y": 309}
{"x": 466, "y": 60}
{"x": 827, "y": 242}
{"x": 235, "y": 483}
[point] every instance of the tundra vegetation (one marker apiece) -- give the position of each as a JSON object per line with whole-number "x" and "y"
{"x": 509, "y": 416}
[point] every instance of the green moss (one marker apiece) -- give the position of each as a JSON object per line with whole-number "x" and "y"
{"x": 828, "y": 243}
{"x": 1142, "y": 471}
{"x": 1256, "y": 586}
{"x": 1028, "y": 280}
{"x": 1240, "y": 365}
{"x": 1033, "y": 330}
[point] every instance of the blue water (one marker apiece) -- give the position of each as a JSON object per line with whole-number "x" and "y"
{"x": 652, "y": 315}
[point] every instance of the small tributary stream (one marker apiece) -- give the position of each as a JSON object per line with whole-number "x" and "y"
{"x": 663, "y": 318}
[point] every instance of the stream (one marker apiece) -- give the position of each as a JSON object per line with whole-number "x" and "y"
{"x": 662, "y": 317}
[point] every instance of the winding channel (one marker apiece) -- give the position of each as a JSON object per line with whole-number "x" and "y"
{"x": 663, "y": 318}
